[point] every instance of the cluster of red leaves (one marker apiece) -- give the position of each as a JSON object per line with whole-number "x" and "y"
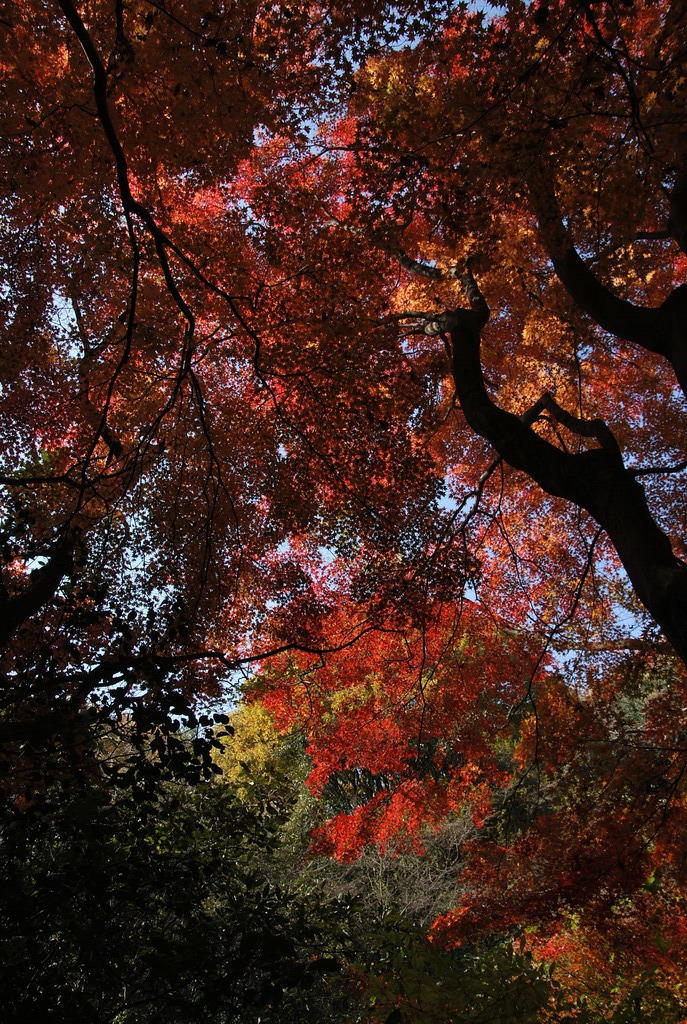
{"x": 423, "y": 715}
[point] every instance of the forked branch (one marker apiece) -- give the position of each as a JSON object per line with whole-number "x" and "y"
{"x": 662, "y": 329}
{"x": 596, "y": 480}
{"x": 596, "y": 428}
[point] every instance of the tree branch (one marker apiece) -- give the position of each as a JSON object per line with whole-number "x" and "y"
{"x": 662, "y": 329}
{"x": 677, "y": 215}
{"x": 596, "y": 480}
{"x": 14, "y": 611}
{"x": 597, "y": 429}
{"x": 407, "y": 262}
{"x": 637, "y": 324}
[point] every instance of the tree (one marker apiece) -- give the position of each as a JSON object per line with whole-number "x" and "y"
{"x": 523, "y": 945}
{"x": 399, "y": 975}
{"x": 145, "y": 494}
{"x": 522, "y": 161}
{"x": 347, "y": 343}
{"x": 158, "y": 910}
{"x": 134, "y": 364}
{"x": 510, "y": 173}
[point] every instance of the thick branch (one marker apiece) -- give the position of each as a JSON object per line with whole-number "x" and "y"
{"x": 595, "y": 480}
{"x": 632, "y": 323}
{"x": 597, "y": 429}
{"x": 14, "y": 611}
{"x": 662, "y": 330}
{"x": 677, "y": 216}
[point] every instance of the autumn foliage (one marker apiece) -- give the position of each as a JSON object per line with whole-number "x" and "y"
{"x": 344, "y": 348}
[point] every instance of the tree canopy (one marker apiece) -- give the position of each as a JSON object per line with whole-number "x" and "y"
{"x": 345, "y": 348}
